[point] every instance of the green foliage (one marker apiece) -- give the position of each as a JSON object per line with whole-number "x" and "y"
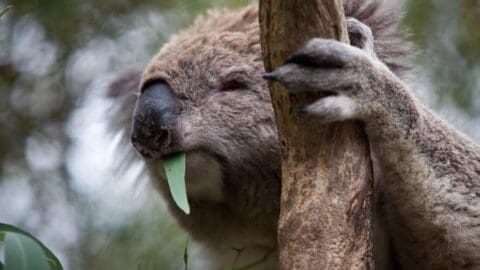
{"x": 238, "y": 254}
{"x": 5, "y": 10}
{"x": 445, "y": 34}
{"x": 149, "y": 241}
{"x": 23, "y": 251}
{"x": 174, "y": 166}
{"x": 185, "y": 255}
{"x": 419, "y": 18}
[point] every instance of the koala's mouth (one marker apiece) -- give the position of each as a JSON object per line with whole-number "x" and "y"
{"x": 153, "y": 151}
{"x": 204, "y": 174}
{"x": 145, "y": 151}
{"x": 154, "y": 145}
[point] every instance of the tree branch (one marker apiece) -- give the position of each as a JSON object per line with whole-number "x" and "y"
{"x": 326, "y": 201}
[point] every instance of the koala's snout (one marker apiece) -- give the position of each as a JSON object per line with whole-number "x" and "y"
{"x": 154, "y": 119}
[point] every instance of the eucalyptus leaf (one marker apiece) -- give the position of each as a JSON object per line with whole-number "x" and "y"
{"x": 174, "y": 166}
{"x": 6, "y": 230}
{"x": 24, "y": 253}
{"x": 185, "y": 255}
{"x": 5, "y": 10}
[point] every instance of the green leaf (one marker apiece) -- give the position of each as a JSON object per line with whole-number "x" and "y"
{"x": 1, "y": 266}
{"x": 174, "y": 166}
{"x": 251, "y": 265}
{"x": 5, "y": 10}
{"x": 185, "y": 255}
{"x": 24, "y": 253}
{"x": 7, "y": 230}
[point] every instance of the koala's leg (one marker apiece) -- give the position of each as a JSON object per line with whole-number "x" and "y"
{"x": 432, "y": 171}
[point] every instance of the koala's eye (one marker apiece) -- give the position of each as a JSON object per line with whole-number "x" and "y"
{"x": 232, "y": 85}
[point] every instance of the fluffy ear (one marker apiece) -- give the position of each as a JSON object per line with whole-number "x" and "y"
{"x": 383, "y": 18}
{"x": 390, "y": 44}
{"x": 125, "y": 84}
{"x": 122, "y": 94}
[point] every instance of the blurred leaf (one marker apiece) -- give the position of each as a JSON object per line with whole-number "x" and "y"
{"x": 254, "y": 264}
{"x": 24, "y": 253}
{"x": 5, "y": 10}
{"x": 185, "y": 255}
{"x": 420, "y": 19}
{"x": 10, "y": 230}
{"x": 238, "y": 253}
{"x": 174, "y": 166}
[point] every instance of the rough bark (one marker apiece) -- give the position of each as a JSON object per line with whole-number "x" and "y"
{"x": 327, "y": 187}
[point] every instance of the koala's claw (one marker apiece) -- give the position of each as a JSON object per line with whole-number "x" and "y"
{"x": 269, "y": 76}
{"x": 321, "y": 65}
{"x": 322, "y": 53}
{"x": 310, "y": 57}
{"x": 330, "y": 66}
{"x": 302, "y": 110}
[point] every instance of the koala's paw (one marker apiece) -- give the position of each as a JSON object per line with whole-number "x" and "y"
{"x": 332, "y": 109}
{"x": 343, "y": 72}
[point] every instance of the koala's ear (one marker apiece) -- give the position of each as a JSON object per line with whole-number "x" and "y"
{"x": 122, "y": 95}
{"x": 125, "y": 84}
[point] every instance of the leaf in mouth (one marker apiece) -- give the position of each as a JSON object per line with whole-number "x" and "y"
{"x": 174, "y": 166}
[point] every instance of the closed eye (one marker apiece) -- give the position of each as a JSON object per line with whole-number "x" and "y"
{"x": 232, "y": 85}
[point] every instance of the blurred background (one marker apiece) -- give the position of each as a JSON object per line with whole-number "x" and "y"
{"x": 58, "y": 171}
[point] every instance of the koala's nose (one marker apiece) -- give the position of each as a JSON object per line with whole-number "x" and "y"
{"x": 153, "y": 120}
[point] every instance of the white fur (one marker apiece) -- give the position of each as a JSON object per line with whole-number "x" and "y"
{"x": 333, "y": 108}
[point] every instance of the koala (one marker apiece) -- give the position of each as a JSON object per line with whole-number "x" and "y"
{"x": 206, "y": 94}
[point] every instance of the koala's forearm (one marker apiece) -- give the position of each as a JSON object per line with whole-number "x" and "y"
{"x": 409, "y": 138}
{"x": 432, "y": 176}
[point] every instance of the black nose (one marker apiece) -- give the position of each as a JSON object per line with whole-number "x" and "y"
{"x": 153, "y": 119}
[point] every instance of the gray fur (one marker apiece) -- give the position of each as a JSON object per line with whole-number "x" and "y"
{"x": 430, "y": 172}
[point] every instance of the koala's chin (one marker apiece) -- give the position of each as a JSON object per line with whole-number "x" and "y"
{"x": 203, "y": 176}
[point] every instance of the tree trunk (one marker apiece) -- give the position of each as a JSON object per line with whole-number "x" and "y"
{"x": 326, "y": 201}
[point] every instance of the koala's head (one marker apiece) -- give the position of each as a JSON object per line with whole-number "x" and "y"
{"x": 203, "y": 94}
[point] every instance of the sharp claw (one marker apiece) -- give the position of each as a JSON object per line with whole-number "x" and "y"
{"x": 302, "y": 109}
{"x": 269, "y": 76}
{"x": 302, "y": 60}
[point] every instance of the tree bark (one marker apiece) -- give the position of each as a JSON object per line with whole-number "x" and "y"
{"x": 327, "y": 187}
